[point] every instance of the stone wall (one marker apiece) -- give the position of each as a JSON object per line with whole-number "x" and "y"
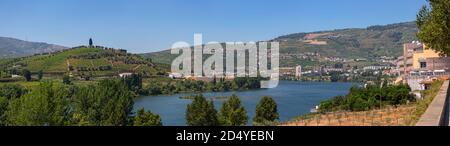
{"x": 437, "y": 112}
{"x": 441, "y": 63}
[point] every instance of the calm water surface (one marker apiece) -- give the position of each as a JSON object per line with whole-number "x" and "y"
{"x": 293, "y": 99}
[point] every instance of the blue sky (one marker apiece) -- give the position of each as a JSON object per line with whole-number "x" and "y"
{"x": 151, "y": 25}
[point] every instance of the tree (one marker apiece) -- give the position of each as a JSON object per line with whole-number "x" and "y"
{"x": 109, "y": 103}
{"x": 12, "y": 91}
{"x": 434, "y": 25}
{"x": 266, "y": 111}
{"x": 201, "y": 112}
{"x": 45, "y": 106}
{"x": 335, "y": 77}
{"x": 66, "y": 80}
{"x": 362, "y": 99}
{"x": 154, "y": 88}
{"x": 27, "y": 75}
{"x": 146, "y": 118}
{"x": 91, "y": 43}
{"x": 233, "y": 113}
{"x": 40, "y": 74}
{"x": 117, "y": 103}
{"x": 339, "y": 65}
{"x": 3, "y": 105}
{"x": 7, "y": 93}
{"x": 134, "y": 82}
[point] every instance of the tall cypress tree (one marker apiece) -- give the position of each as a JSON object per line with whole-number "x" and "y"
{"x": 90, "y": 42}
{"x": 233, "y": 113}
{"x": 201, "y": 112}
{"x": 266, "y": 111}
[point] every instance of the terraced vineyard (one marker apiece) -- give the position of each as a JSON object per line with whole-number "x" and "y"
{"x": 82, "y": 62}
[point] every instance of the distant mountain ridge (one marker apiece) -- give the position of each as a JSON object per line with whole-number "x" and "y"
{"x": 11, "y": 47}
{"x": 351, "y": 43}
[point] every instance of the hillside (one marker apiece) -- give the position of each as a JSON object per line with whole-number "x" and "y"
{"x": 369, "y": 43}
{"x": 83, "y": 62}
{"x": 10, "y": 47}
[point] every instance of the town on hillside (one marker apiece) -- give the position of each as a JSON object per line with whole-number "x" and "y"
{"x": 418, "y": 66}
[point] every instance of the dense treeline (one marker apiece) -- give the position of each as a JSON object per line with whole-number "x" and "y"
{"x": 216, "y": 85}
{"x": 202, "y": 112}
{"x": 109, "y": 103}
{"x": 361, "y": 99}
{"x": 83, "y": 69}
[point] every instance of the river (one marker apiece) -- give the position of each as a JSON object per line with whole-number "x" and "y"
{"x": 293, "y": 99}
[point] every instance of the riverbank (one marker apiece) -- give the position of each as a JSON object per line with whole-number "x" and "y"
{"x": 293, "y": 99}
{"x": 403, "y": 115}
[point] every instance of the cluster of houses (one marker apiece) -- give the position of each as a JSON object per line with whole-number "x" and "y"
{"x": 420, "y": 65}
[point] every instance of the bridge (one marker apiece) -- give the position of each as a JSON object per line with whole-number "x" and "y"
{"x": 437, "y": 113}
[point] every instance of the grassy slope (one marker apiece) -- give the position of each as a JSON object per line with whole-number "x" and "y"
{"x": 54, "y": 63}
{"x": 58, "y": 62}
{"x": 163, "y": 57}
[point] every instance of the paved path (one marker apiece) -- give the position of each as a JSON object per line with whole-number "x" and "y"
{"x": 437, "y": 113}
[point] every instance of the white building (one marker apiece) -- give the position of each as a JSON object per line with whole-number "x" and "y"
{"x": 175, "y": 75}
{"x": 15, "y": 76}
{"x": 122, "y": 75}
{"x": 298, "y": 72}
{"x": 376, "y": 68}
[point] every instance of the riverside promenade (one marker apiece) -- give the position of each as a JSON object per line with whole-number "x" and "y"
{"x": 437, "y": 113}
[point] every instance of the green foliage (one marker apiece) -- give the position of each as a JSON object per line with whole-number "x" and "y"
{"x": 66, "y": 80}
{"x": 336, "y": 77}
{"x": 134, "y": 82}
{"x": 362, "y": 99}
{"x": 3, "y": 107}
{"x": 12, "y": 91}
{"x": 423, "y": 16}
{"x": 8, "y": 93}
{"x": 83, "y": 61}
{"x": 233, "y": 113}
{"x": 45, "y": 106}
{"x": 40, "y": 74}
{"x": 146, "y": 118}
{"x": 108, "y": 104}
{"x": 91, "y": 42}
{"x": 27, "y": 75}
{"x": 434, "y": 25}
{"x": 266, "y": 111}
{"x": 201, "y": 112}
{"x": 332, "y": 104}
{"x": 216, "y": 85}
